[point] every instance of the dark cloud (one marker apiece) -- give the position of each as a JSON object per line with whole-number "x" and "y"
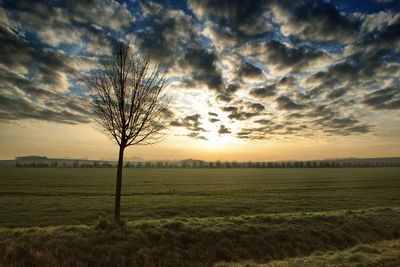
{"x": 256, "y": 107}
{"x": 263, "y": 121}
{"x": 196, "y": 135}
{"x": 341, "y": 122}
{"x": 321, "y": 119}
{"x": 177, "y": 123}
{"x": 267, "y": 131}
{"x": 284, "y": 84}
{"x": 44, "y": 94}
{"x": 388, "y": 98}
{"x": 330, "y": 121}
{"x": 232, "y": 88}
{"x": 213, "y": 120}
{"x": 247, "y": 70}
{"x": 202, "y": 63}
{"x": 339, "y": 92}
{"x": 230, "y": 109}
{"x": 113, "y": 14}
{"x": 316, "y": 21}
{"x": 347, "y": 129}
{"x": 191, "y": 123}
{"x": 263, "y": 92}
{"x": 287, "y": 81}
{"x": 327, "y": 113}
{"x": 48, "y": 66}
{"x": 312, "y": 93}
{"x": 213, "y": 117}
{"x": 223, "y": 130}
{"x": 281, "y": 56}
{"x": 286, "y": 103}
{"x": 242, "y": 115}
{"x": 228, "y": 94}
{"x": 242, "y": 19}
{"x": 357, "y": 70}
{"x": 74, "y": 23}
{"x": 387, "y": 37}
{"x": 225, "y": 98}
{"x": 167, "y": 33}
{"x": 168, "y": 113}
{"x": 19, "y": 108}
{"x": 242, "y": 111}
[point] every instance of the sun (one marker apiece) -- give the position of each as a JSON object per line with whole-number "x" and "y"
{"x": 216, "y": 141}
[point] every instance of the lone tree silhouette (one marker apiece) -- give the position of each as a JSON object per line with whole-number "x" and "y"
{"x": 127, "y": 96}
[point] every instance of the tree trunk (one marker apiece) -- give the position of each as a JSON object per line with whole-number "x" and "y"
{"x": 117, "y": 209}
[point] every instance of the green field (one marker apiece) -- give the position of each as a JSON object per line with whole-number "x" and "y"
{"x": 385, "y": 253}
{"x": 192, "y": 217}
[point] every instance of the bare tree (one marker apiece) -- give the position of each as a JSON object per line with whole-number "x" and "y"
{"x": 127, "y": 96}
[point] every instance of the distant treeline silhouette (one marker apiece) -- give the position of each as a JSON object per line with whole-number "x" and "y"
{"x": 328, "y": 163}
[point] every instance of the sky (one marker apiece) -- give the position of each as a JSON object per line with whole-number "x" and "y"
{"x": 250, "y": 80}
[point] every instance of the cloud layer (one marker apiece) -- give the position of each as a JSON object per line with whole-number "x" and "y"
{"x": 263, "y": 69}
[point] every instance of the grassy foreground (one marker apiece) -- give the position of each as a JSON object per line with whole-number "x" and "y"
{"x": 383, "y": 254}
{"x": 197, "y": 241}
{"x": 43, "y": 197}
{"x": 194, "y": 217}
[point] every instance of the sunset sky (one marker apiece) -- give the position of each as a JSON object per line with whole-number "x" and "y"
{"x": 250, "y": 80}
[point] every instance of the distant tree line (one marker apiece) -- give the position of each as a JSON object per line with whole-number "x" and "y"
{"x": 352, "y": 163}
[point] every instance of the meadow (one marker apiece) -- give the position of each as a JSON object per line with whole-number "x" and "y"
{"x": 197, "y": 217}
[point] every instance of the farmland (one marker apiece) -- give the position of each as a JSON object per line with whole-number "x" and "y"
{"x": 192, "y": 217}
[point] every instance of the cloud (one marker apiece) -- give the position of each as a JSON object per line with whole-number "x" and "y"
{"x": 316, "y": 21}
{"x": 263, "y": 121}
{"x": 257, "y": 107}
{"x": 221, "y": 37}
{"x": 358, "y": 69}
{"x": 18, "y": 107}
{"x": 213, "y": 117}
{"x": 336, "y": 93}
{"x": 35, "y": 85}
{"x": 243, "y": 110}
{"x": 304, "y": 123}
{"x": 201, "y": 64}
{"x": 196, "y": 135}
{"x": 275, "y": 68}
{"x": 263, "y": 92}
{"x": 240, "y": 18}
{"x": 377, "y": 21}
{"x": 246, "y": 70}
{"x": 225, "y": 98}
{"x": 227, "y": 94}
{"x": 385, "y": 36}
{"x": 388, "y": 98}
{"x": 284, "y": 84}
{"x": 212, "y": 114}
{"x": 223, "y": 130}
{"x": 283, "y": 57}
{"x": 167, "y": 32}
{"x": 343, "y": 126}
{"x": 286, "y": 103}
{"x": 113, "y": 14}
{"x": 266, "y": 131}
{"x": 47, "y": 67}
{"x": 191, "y": 123}
{"x": 75, "y": 23}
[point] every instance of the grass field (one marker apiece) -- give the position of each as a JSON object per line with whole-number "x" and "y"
{"x": 192, "y": 217}
{"x": 385, "y": 253}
